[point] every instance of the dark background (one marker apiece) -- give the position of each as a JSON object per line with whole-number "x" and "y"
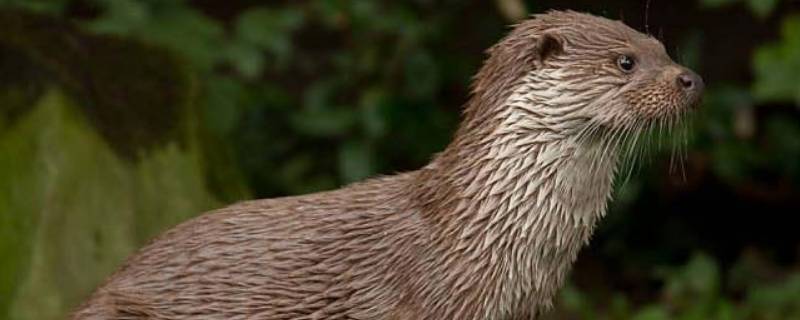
{"x": 120, "y": 118}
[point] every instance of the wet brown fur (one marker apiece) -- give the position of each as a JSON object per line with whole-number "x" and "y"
{"x": 487, "y": 230}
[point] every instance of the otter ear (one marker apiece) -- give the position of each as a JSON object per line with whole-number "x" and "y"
{"x": 547, "y": 46}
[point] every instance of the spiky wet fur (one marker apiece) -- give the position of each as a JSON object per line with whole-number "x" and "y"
{"x": 487, "y": 230}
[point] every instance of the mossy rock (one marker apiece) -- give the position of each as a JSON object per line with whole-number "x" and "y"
{"x": 71, "y": 209}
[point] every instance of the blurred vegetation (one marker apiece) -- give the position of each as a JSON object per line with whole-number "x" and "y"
{"x": 120, "y": 118}
{"x": 694, "y": 291}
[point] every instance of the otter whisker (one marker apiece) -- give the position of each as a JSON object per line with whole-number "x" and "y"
{"x": 631, "y": 151}
{"x": 683, "y": 142}
{"x": 609, "y": 143}
{"x": 674, "y": 145}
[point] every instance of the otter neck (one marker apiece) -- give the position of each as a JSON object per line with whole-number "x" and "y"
{"x": 516, "y": 199}
{"x": 522, "y": 159}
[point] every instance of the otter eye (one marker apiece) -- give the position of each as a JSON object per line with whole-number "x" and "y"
{"x": 626, "y": 63}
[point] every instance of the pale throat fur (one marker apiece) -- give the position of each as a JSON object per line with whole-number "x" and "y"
{"x": 524, "y": 183}
{"x": 528, "y": 198}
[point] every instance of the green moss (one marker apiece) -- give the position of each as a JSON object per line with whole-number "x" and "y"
{"x": 72, "y": 209}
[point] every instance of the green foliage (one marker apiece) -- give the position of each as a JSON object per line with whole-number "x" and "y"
{"x": 170, "y": 24}
{"x": 261, "y": 30}
{"x": 780, "y": 301}
{"x": 760, "y": 8}
{"x": 777, "y": 66}
{"x": 41, "y": 6}
{"x": 726, "y": 133}
{"x": 694, "y": 292}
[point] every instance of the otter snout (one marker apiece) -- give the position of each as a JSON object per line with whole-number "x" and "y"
{"x": 691, "y": 84}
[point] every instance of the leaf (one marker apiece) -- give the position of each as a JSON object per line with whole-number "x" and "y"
{"x": 733, "y": 160}
{"x": 318, "y": 94}
{"x": 261, "y": 25}
{"x": 371, "y": 104}
{"x": 726, "y": 310}
{"x": 783, "y": 134}
{"x": 776, "y": 301}
{"x": 777, "y": 66}
{"x": 355, "y": 161}
{"x": 324, "y": 123}
{"x": 652, "y": 312}
{"x": 577, "y": 302}
{"x": 698, "y": 280}
{"x": 189, "y": 32}
{"x": 762, "y": 8}
{"x": 120, "y": 17}
{"x": 717, "y": 3}
{"x": 41, "y": 6}
{"x": 248, "y": 60}
{"x": 270, "y": 30}
{"x": 319, "y": 117}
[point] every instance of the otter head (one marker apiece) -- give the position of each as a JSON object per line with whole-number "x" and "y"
{"x": 550, "y": 107}
{"x": 568, "y": 73}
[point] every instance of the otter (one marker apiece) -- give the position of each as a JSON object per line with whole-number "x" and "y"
{"x": 487, "y": 230}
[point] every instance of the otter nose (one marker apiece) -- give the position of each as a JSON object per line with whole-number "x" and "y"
{"x": 690, "y": 81}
